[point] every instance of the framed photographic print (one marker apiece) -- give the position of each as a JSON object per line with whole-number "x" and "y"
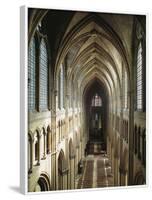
{"x": 83, "y": 100}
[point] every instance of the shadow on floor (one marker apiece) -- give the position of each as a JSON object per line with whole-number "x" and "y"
{"x": 15, "y": 189}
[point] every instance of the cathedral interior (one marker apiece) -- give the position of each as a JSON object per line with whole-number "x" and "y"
{"x": 86, "y": 100}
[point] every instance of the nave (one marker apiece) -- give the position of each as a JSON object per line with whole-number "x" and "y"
{"x": 96, "y": 173}
{"x": 86, "y": 100}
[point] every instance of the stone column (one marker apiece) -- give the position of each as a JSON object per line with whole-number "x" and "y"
{"x": 122, "y": 177}
{"x": 69, "y": 175}
{"x": 139, "y": 145}
{"x": 118, "y": 177}
{"x": 77, "y": 157}
{"x": 53, "y": 171}
{"x": 53, "y": 153}
{"x": 49, "y": 142}
{"x": 82, "y": 148}
{"x": 44, "y": 154}
{"x": 112, "y": 155}
{"x": 131, "y": 130}
{"x": 65, "y": 179}
{"x": 73, "y": 173}
{"x": 144, "y": 148}
{"x": 39, "y": 150}
{"x": 115, "y": 170}
{"x": 54, "y": 141}
{"x": 80, "y": 157}
{"x": 74, "y": 170}
{"x": 31, "y": 156}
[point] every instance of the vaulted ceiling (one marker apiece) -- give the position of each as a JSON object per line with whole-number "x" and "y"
{"x": 93, "y": 45}
{"x": 96, "y": 46}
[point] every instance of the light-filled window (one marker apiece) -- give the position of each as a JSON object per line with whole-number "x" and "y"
{"x": 31, "y": 75}
{"x": 43, "y": 87}
{"x": 125, "y": 90}
{"x": 61, "y": 87}
{"x": 139, "y": 78}
{"x": 96, "y": 101}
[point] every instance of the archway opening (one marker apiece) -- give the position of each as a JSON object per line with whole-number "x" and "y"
{"x": 71, "y": 165}
{"x": 61, "y": 163}
{"x": 43, "y": 184}
{"x": 96, "y": 117}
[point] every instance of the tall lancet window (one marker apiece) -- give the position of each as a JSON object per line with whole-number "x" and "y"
{"x": 43, "y": 87}
{"x": 31, "y": 75}
{"x": 140, "y": 78}
{"x": 61, "y": 88}
{"x": 96, "y": 101}
{"x": 125, "y": 90}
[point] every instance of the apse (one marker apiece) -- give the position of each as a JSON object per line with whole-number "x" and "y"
{"x": 96, "y": 113}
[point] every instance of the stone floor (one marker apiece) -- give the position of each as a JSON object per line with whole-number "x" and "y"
{"x": 96, "y": 173}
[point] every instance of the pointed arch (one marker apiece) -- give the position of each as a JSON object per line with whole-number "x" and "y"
{"x": 43, "y": 183}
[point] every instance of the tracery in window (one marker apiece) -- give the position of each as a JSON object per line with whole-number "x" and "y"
{"x": 139, "y": 78}
{"x": 43, "y": 90}
{"x": 31, "y": 75}
{"x": 96, "y": 101}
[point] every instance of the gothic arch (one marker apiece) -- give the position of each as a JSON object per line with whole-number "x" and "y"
{"x": 30, "y": 135}
{"x": 38, "y": 132}
{"x": 35, "y": 17}
{"x": 61, "y": 169}
{"x": 100, "y": 22}
{"x": 61, "y": 161}
{"x": 43, "y": 143}
{"x": 43, "y": 183}
{"x": 37, "y": 136}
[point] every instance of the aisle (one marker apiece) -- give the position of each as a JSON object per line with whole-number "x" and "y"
{"x": 96, "y": 173}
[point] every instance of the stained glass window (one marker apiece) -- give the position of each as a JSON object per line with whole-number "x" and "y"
{"x": 43, "y": 90}
{"x": 139, "y": 78}
{"x": 31, "y": 75}
{"x": 96, "y": 101}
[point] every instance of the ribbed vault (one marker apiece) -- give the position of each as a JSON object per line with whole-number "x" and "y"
{"x": 90, "y": 44}
{"x": 92, "y": 49}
